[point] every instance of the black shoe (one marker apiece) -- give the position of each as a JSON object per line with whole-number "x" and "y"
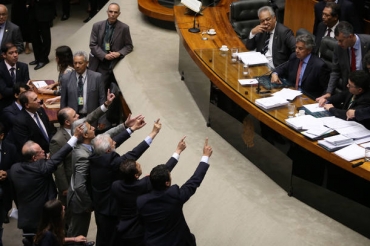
{"x": 41, "y": 65}
{"x": 33, "y": 63}
{"x": 64, "y": 17}
{"x": 88, "y": 19}
{"x": 6, "y": 219}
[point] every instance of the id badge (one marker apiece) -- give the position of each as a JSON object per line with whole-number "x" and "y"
{"x": 107, "y": 46}
{"x": 80, "y": 101}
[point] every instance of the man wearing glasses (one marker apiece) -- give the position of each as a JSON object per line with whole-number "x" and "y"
{"x": 272, "y": 39}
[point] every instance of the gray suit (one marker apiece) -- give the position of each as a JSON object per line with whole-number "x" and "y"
{"x": 12, "y": 34}
{"x": 341, "y": 64}
{"x": 95, "y": 91}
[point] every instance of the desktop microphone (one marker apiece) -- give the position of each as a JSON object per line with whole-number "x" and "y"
{"x": 195, "y": 29}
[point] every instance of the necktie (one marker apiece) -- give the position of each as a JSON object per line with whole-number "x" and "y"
{"x": 80, "y": 92}
{"x": 40, "y": 126}
{"x": 298, "y": 74}
{"x": 353, "y": 59}
{"x": 267, "y": 41}
{"x": 12, "y": 74}
{"x": 351, "y": 102}
{"x": 329, "y": 31}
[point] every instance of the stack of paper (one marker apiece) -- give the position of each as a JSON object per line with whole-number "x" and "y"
{"x": 304, "y": 122}
{"x": 352, "y": 152}
{"x": 248, "y": 81}
{"x": 349, "y": 129}
{"x": 271, "y": 102}
{"x": 287, "y": 94}
{"x": 252, "y": 58}
{"x": 339, "y": 140}
{"x": 314, "y": 107}
{"x": 192, "y": 4}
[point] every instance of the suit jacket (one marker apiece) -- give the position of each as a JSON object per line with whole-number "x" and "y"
{"x": 9, "y": 115}
{"x": 64, "y": 172}
{"x": 321, "y": 29}
{"x": 315, "y": 78}
{"x": 125, "y": 195}
{"x": 341, "y": 64}
{"x": 283, "y": 45}
{"x": 41, "y": 10}
{"x": 95, "y": 91}
{"x": 348, "y": 13}
{"x": 12, "y": 34}
{"x": 341, "y": 101}
{"x": 161, "y": 212}
{"x": 6, "y": 84}
{"x": 104, "y": 170}
{"x": 121, "y": 42}
{"x": 34, "y": 185}
{"x": 25, "y": 128}
{"x": 9, "y": 156}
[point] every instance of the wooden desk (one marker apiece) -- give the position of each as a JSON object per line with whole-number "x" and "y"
{"x": 225, "y": 75}
{"x": 51, "y": 112}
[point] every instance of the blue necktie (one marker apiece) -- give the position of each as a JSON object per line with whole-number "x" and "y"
{"x": 40, "y": 126}
{"x": 12, "y": 74}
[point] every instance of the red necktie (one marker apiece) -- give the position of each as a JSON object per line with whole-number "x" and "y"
{"x": 353, "y": 59}
{"x": 298, "y": 74}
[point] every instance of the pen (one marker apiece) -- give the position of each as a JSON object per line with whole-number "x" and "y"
{"x": 357, "y": 164}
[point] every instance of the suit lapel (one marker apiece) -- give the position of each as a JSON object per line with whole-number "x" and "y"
{"x": 101, "y": 33}
{"x": 5, "y": 72}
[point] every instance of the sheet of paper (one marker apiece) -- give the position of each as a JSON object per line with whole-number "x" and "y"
{"x": 39, "y": 84}
{"x": 314, "y": 107}
{"x": 252, "y": 58}
{"x": 248, "y": 81}
{"x": 287, "y": 94}
{"x": 351, "y": 152}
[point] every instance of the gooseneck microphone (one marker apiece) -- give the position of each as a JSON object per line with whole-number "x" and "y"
{"x": 194, "y": 29}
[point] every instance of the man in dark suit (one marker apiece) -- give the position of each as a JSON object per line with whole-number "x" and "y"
{"x": 41, "y": 13}
{"x": 32, "y": 123}
{"x": 8, "y": 156}
{"x": 82, "y": 89}
{"x": 110, "y": 41}
{"x": 272, "y": 39}
{"x": 348, "y": 13}
{"x": 10, "y": 113}
{"x": 330, "y": 20}
{"x": 33, "y": 181}
{"x": 313, "y": 72}
{"x": 161, "y": 210}
{"x": 347, "y": 57}
{"x": 104, "y": 170}
{"x": 11, "y": 71}
{"x": 11, "y": 32}
{"x": 130, "y": 232}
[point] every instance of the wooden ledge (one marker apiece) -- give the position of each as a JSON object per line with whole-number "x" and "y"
{"x": 154, "y": 10}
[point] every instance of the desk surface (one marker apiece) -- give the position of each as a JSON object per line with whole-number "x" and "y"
{"x": 216, "y": 72}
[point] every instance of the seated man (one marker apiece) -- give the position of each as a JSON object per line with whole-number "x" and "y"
{"x": 161, "y": 210}
{"x": 305, "y": 69}
{"x": 272, "y": 39}
{"x": 357, "y": 96}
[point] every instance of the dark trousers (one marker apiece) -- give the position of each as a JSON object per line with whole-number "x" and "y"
{"x": 40, "y": 38}
{"x": 79, "y": 224}
{"x": 106, "y": 226}
{"x": 66, "y": 7}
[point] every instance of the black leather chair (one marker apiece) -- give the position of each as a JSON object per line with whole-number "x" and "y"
{"x": 244, "y": 16}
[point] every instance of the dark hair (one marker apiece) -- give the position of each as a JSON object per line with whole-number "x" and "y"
{"x": 23, "y": 98}
{"x": 51, "y": 220}
{"x": 360, "y": 79}
{"x": 2, "y": 128}
{"x": 7, "y": 47}
{"x": 65, "y": 57}
{"x": 17, "y": 87}
{"x": 335, "y": 9}
{"x": 345, "y": 28}
{"x": 128, "y": 170}
{"x": 159, "y": 176}
{"x": 62, "y": 116}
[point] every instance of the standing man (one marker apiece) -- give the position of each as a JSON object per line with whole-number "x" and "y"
{"x": 11, "y": 71}
{"x": 82, "y": 89}
{"x": 33, "y": 181}
{"x": 110, "y": 41}
{"x": 347, "y": 57}
{"x": 9, "y": 32}
{"x": 330, "y": 20}
{"x": 41, "y": 14}
{"x": 308, "y": 71}
{"x": 161, "y": 210}
{"x": 272, "y": 39}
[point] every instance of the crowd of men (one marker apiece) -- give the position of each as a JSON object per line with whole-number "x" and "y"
{"x": 90, "y": 176}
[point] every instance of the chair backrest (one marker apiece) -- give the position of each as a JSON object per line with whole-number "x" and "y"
{"x": 244, "y": 16}
{"x": 327, "y": 49}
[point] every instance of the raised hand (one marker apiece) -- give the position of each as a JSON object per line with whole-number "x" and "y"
{"x": 181, "y": 146}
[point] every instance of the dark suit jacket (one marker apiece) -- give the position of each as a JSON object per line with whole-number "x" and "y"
{"x": 161, "y": 212}
{"x": 95, "y": 91}
{"x": 126, "y": 194}
{"x": 9, "y": 115}
{"x": 321, "y": 29}
{"x": 348, "y": 13}
{"x": 34, "y": 185}
{"x": 104, "y": 170}
{"x": 342, "y": 100}
{"x": 341, "y": 64}
{"x": 25, "y": 128}
{"x": 315, "y": 78}
{"x": 282, "y": 47}
{"x": 9, "y": 156}
{"x": 121, "y": 42}
{"x": 6, "y": 84}
{"x": 42, "y": 10}
{"x": 12, "y": 34}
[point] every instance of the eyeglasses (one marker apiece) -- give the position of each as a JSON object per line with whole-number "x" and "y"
{"x": 351, "y": 86}
{"x": 268, "y": 19}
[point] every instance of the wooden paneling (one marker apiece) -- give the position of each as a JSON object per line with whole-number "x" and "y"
{"x": 299, "y": 14}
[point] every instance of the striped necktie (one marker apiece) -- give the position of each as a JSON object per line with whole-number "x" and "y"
{"x": 267, "y": 41}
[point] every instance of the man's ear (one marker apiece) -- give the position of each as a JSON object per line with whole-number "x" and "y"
{"x": 168, "y": 183}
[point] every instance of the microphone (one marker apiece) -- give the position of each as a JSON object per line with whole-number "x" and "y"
{"x": 258, "y": 89}
{"x": 195, "y": 29}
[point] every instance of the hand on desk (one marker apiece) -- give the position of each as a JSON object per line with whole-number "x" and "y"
{"x": 350, "y": 114}
{"x": 328, "y": 106}
{"x": 321, "y": 103}
{"x": 275, "y": 79}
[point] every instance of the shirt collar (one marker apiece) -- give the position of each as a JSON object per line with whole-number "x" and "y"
{"x": 18, "y": 105}
{"x": 83, "y": 75}
{"x": 307, "y": 58}
{"x": 9, "y": 67}
{"x": 357, "y": 43}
